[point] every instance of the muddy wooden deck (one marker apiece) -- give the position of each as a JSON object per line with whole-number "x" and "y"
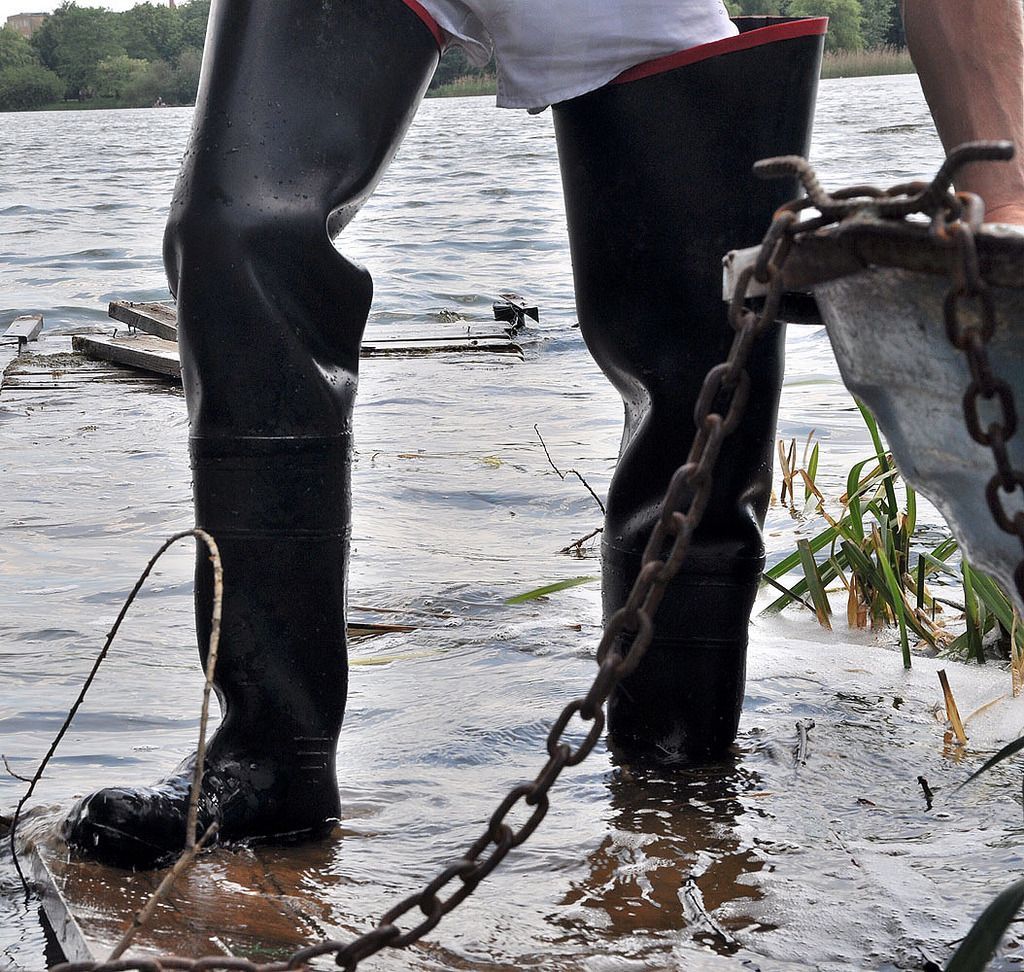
{"x": 252, "y": 902}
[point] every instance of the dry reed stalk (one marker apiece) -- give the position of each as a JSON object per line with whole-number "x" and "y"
{"x": 1016, "y": 657}
{"x": 952, "y": 712}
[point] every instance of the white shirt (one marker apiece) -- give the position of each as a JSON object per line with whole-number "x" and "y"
{"x": 551, "y": 50}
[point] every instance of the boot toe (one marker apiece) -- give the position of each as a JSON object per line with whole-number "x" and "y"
{"x": 126, "y": 827}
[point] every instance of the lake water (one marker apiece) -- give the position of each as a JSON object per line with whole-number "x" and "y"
{"x": 766, "y": 863}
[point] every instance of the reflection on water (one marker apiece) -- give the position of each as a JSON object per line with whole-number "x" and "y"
{"x": 764, "y": 863}
{"x": 656, "y": 866}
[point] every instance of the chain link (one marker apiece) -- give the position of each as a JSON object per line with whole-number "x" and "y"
{"x": 971, "y": 335}
{"x": 719, "y": 409}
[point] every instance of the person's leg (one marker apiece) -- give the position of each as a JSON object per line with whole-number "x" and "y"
{"x": 970, "y": 60}
{"x": 301, "y": 107}
{"x": 658, "y": 187}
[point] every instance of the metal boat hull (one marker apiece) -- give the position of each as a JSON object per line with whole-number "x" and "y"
{"x": 886, "y": 327}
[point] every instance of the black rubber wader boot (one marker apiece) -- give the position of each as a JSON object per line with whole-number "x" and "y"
{"x": 658, "y": 187}
{"x": 302, "y": 106}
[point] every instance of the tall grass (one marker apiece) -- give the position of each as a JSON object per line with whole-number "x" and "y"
{"x": 836, "y": 64}
{"x": 466, "y": 86}
{"x": 863, "y": 64}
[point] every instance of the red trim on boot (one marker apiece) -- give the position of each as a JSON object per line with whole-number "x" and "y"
{"x": 431, "y": 24}
{"x": 808, "y": 27}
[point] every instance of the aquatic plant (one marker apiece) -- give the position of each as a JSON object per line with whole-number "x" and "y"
{"x": 981, "y": 941}
{"x": 869, "y": 549}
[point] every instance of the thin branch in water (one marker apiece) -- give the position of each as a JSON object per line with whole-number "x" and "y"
{"x": 146, "y": 912}
{"x": 576, "y": 547}
{"x": 803, "y": 727}
{"x": 952, "y": 712}
{"x": 211, "y": 665}
{"x": 568, "y": 472}
{"x": 929, "y": 796}
{"x": 199, "y": 534}
{"x": 10, "y": 772}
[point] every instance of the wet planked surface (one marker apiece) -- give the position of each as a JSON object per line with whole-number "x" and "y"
{"x": 251, "y": 901}
{"x": 53, "y": 364}
{"x": 136, "y": 350}
{"x": 151, "y": 341}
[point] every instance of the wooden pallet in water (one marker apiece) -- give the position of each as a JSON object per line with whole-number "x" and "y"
{"x": 150, "y": 342}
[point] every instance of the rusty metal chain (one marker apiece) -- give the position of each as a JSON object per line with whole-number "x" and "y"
{"x": 971, "y": 336}
{"x": 628, "y": 633}
{"x": 625, "y": 640}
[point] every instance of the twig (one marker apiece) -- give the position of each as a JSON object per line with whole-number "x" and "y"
{"x": 10, "y": 772}
{"x": 577, "y": 545}
{"x": 1016, "y": 657}
{"x": 691, "y": 896}
{"x": 568, "y": 472}
{"x": 211, "y": 666}
{"x": 927, "y": 790}
{"x": 803, "y": 727}
{"x": 199, "y": 534}
{"x": 146, "y": 912}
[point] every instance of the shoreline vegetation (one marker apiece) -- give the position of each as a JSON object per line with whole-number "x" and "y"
{"x": 867, "y": 64}
{"x": 836, "y": 64}
{"x": 83, "y": 56}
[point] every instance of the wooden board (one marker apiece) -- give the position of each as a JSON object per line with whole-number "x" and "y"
{"x": 8, "y": 354}
{"x": 156, "y": 317}
{"x": 159, "y": 318}
{"x": 413, "y": 346}
{"x": 138, "y": 350}
{"x": 25, "y": 328}
{"x": 244, "y": 902}
{"x": 153, "y": 354}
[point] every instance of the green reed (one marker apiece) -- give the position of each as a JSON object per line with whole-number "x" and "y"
{"x": 867, "y": 551}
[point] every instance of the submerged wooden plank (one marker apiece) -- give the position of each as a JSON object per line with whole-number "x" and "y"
{"x": 411, "y": 347}
{"x": 154, "y": 354}
{"x": 159, "y": 318}
{"x": 8, "y": 354}
{"x": 19, "y": 332}
{"x": 135, "y": 350}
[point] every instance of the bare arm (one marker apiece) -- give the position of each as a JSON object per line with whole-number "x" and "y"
{"x": 969, "y": 56}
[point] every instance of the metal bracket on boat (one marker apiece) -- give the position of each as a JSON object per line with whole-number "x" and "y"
{"x": 863, "y": 226}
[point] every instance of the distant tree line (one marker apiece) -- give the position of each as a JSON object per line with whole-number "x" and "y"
{"x": 151, "y": 54}
{"x": 853, "y": 25}
{"x": 140, "y": 57}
